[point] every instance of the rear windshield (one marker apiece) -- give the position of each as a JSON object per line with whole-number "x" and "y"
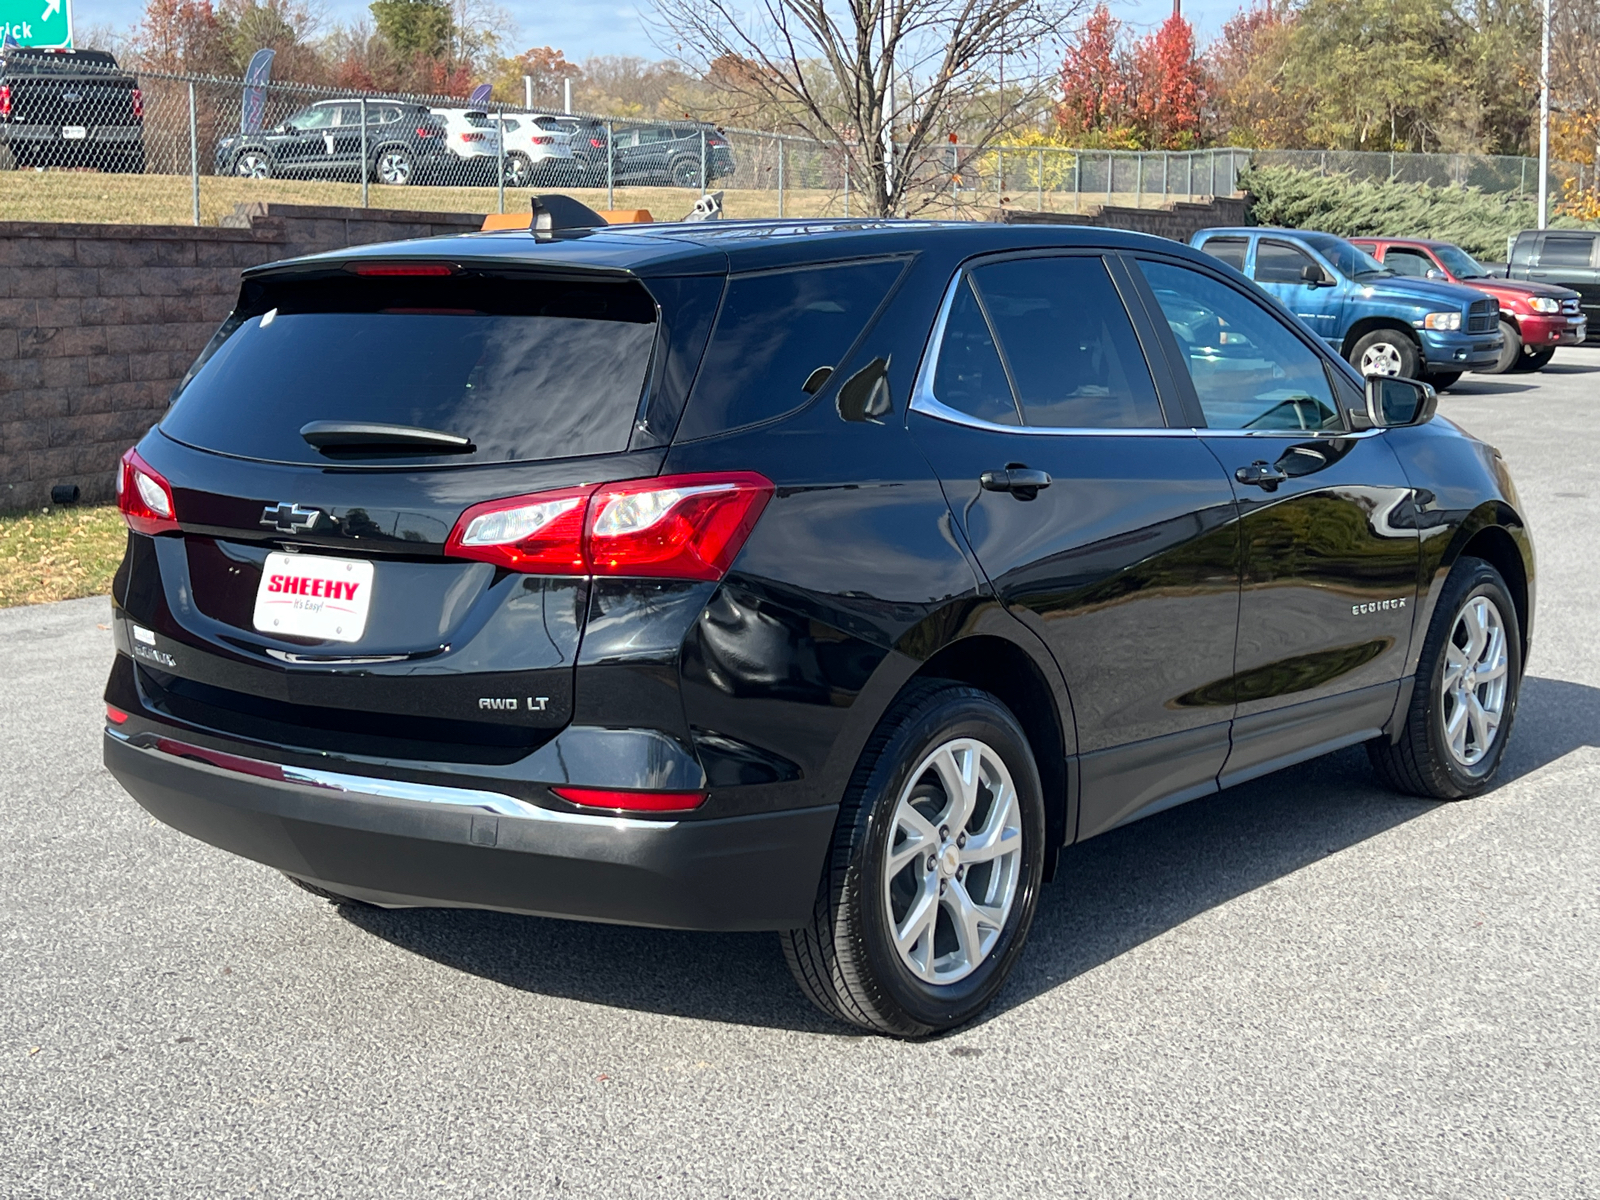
{"x": 524, "y": 368}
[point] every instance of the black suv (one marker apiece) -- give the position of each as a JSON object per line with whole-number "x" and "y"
{"x": 648, "y": 155}
{"x": 824, "y": 578}
{"x": 70, "y": 108}
{"x": 405, "y": 143}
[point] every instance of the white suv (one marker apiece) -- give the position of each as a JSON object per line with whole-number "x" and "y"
{"x": 474, "y": 142}
{"x": 538, "y": 151}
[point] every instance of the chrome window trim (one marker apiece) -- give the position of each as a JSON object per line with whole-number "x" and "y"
{"x": 925, "y": 402}
{"x": 498, "y": 803}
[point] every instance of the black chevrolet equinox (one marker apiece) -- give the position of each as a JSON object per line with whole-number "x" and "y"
{"x": 823, "y": 578}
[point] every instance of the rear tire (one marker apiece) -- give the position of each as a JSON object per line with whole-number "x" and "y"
{"x": 519, "y": 171}
{"x": 1465, "y": 698}
{"x": 1386, "y": 352}
{"x": 252, "y": 164}
{"x": 685, "y": 173}
{"x": 394, "y": 166}
{"x": 1510, "y": 353}
{"x": 902, "y": 947}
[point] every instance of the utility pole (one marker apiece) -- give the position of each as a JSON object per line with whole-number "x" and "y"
{"x": 1544, "y": 120}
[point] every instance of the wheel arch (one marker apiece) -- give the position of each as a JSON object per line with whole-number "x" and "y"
{"x": 1496, "y": 533}
{"x": 1496, "y": 546}
{"x": 1368, "y": 325}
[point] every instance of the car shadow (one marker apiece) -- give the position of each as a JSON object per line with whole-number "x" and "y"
{"x": 1483, "y": 387}
{"x": 1557, "y": 367}
{"x": 1110, "y": 893}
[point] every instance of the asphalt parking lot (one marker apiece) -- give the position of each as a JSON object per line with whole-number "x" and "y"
{"x": 1304, "y": 987}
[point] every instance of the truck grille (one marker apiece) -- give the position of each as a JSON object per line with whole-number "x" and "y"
{"x": 1483, "y": 316}
{"x": 1570, "y": 307}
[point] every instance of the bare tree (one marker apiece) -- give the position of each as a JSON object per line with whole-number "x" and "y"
{"x": 892, "y": 80}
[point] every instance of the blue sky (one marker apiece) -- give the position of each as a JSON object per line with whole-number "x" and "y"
{"x": 583, "y": 28}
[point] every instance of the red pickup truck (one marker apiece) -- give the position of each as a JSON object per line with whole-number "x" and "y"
{"x": 1535, "y": 318}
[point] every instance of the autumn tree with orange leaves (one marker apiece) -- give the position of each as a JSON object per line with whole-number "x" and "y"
{"x": 1133, "y": 95}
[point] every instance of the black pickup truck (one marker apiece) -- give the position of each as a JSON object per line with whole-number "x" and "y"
{"x": 1568, "y": 257}
{"x": 70, "y": 108}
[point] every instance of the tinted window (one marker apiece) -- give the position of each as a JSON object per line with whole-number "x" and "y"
{"x": 970, "y": 378}
{"x": 528, "y": 369}
{"x": 1407, "y": 262}
{"x": 318, "y": 116}
{"x": 1249, "y": 370}
{"x": 1348, "y": 260}
{"x": 773, "y": 332}
{"x": 1228, "y": 250}
{"x": 1072, "y": 351}
{"x": 1277, "y": 262}
{"x": 1569, "y": 251}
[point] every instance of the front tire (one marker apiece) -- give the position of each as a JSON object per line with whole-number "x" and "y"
{"x": 1385, "y": 352}
{"x": 1510, "y": 353}
{"x": 933, "y": 876}
{"x": 1465, "y": 697}
{"x": 1536, "y": 360}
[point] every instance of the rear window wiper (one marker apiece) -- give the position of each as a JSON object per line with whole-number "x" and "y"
{"x": 369, "y": 436}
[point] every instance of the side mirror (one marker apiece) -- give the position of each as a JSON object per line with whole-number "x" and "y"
{"x": 1314, "y": 276}
{"x": 1435, "y": 273}
{"x": 1392, "y": 402}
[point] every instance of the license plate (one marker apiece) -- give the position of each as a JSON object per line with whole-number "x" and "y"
{"x": 73, "y": 132}
{"x": 306, "y": 595}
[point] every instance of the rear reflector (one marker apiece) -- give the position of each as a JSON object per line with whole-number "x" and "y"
{"x": 144, "y": 497}
{"x": 631, "y": 801}
{"x": 115, "y": 715}
{"x": 671, "y": 527}
{"x": 366, "y": 268}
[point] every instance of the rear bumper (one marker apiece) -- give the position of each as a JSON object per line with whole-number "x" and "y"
{"x": 447, "y": 847}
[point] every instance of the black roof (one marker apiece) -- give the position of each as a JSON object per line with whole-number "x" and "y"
{"x": 708, "y": 247}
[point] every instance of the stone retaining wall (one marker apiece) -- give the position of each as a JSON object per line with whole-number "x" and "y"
{"x": 98, "y": 323}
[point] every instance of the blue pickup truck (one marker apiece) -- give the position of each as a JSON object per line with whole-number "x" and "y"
{"x": 1382, "y": 323}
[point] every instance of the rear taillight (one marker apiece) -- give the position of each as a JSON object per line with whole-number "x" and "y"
{"x": 597, "y": 143}
{"x": 673, "y": 527}
{"x": 145, "y": 498}
{"x": 5, "y": 101}
{"x": 542, "y": 141}
{"x": 424, "y": 131}
{"x": 116, "y": 716}
{"x": 138, "y": 103}
{"x": 631, "y": 801}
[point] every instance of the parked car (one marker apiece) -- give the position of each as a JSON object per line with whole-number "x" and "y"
{"x": 1382, "y": 323}
{"x": 1562, "y": 257}
{"x": 538, "y": 152}
{"x": 1535, "y": 318}
{"x": 962, "y": 543}
{"x": 70, "y": 108}
{"x": 649, "y": 155}
{"x": 405, "y": 144}
{"x": 474, "y": 145}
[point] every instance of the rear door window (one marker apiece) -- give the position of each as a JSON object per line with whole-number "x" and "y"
{"x": 1566, "y": 251}
{"x": 775, "y": 332}
{"x": 1227, "y": 249}
{"x": 1074, "y": 359}
{"x": 525, "y": 368}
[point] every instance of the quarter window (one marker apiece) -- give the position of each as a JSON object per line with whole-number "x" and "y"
{"x": 1278, "y": 262}
{"x": 1249, "y": 370}
{"x": 1075, "y": 362}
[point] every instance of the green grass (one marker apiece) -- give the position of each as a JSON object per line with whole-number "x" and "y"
{"x": 59, "y": 553}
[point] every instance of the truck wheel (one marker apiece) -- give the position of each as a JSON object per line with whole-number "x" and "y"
{"x": 933, "y": 875}
{"x": 1536, "y": 360}
{"x": 1510, "y": 353}
{"x": 1465, "y": 695}
{"x": 1386, "y": 352}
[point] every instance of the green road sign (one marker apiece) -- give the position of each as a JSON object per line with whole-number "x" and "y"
{"x": 37, "y": 22}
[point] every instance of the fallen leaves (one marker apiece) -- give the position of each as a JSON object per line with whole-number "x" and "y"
{"x": 59, "y": 553}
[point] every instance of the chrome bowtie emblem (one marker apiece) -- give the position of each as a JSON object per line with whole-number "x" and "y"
{"x": 71, "y": 97}
{"x": 290, "y": 518}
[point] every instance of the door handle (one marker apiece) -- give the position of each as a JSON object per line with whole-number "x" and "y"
{"x": 1261, "y": 473}
{"x": 1020, "y": 481}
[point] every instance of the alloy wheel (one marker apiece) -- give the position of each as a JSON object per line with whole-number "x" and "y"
{"x": 1380, "y": 359}
{"x": 252, "y": 165}
{"x": 394, "y": 168}
{"x": 1474, "y": 681}
{"x": 954, "y": 860}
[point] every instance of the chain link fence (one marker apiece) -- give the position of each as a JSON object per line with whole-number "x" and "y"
{"x": 83, "y": 141}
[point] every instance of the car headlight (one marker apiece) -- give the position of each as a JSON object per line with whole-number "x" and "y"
{"x": 1442, "y": 320}
{"x": 1544, "y": 304}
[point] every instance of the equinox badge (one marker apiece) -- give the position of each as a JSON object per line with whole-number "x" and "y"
{"x": 290, "y": 518}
